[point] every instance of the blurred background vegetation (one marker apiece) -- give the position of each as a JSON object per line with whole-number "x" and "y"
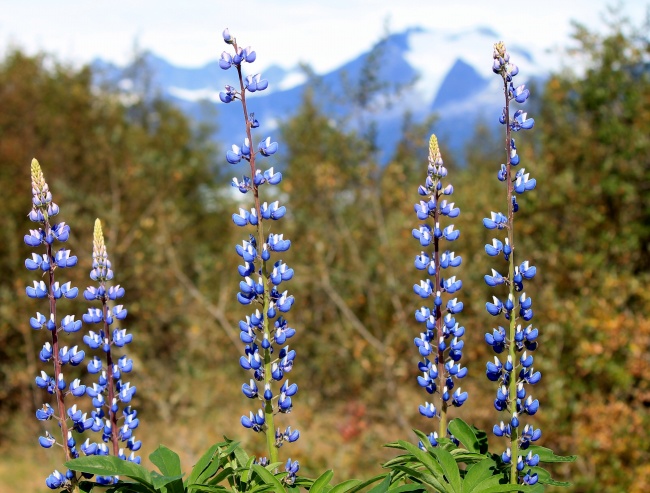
{"x": 162, "y": 191}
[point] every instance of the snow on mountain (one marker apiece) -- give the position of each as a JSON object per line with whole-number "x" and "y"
{"x": 452, "y": 73}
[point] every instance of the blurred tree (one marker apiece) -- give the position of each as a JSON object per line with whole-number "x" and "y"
{"x": 136, "y": 164}
{"x": 592, "y": 212}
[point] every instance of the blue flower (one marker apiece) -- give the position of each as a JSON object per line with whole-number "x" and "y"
{"x": 520, "y": 122}
{"x": 441, "y": 339}
{"x": 516, "y": 373}
{"x": 266, "y": 147}
{"x": 53, "y": 351}
{"x": 109, "y": 390}
{"x": 265, "y": 330}
{"x": 291, "y": 469}
{"x": 254, "y": 83}
{"x": 229, "y": 95}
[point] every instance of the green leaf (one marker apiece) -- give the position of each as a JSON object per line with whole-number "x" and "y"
{"x": 381, "y": 487}
{"x": 169, "y": 464}
{"x": 229, "y": 449}
{"x": 450, "y": 467}
{"x": 86, "y": 486}
{"x": 502, "y": 488}
{"x": 477, "y": 473}
{"x": 240, "y": 456}
{"x": 482, "y": 438}
{"x": 262, "y": 487}
{"x": 548, "y": 456}
{"x": 267, "y": 477}
{"x": 199, "y": 488}
{"x": 109, "y": 465}
{"x": 248, "y": 470}
{"x": 206, "y": 460}
{"x": 159, "y": 481}
{"x": 127, "y": 488}
{"x": 407, "y": 487}
{"x": 495, "y": 483}
{"x": 424, "y": 478}
{"x": 167, "y": 461}
{"x": 462, "y": 455}
{"x": 463, "y": 432}
{"x": 226, "y": 472}
{"x": 544, "y": 477}
{"x": 362, "y": 484}
{"x": 321, "y": 482}
{"x": 427, "y": 461}
{"x": 345, "y": 486}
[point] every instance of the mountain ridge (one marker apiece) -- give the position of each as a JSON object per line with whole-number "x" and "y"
{"x": 447, "y": 74}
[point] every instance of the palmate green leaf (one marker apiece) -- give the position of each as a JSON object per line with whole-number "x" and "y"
{"x": 548, "y": 456}
{"x": 109, "y": 465}
{"x": 169, "y": 464}
{"x": 321, "y": 483}
{"x": 463, "y": 432}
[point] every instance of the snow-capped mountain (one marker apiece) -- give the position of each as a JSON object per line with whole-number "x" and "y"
{"x": 449, "y": 74}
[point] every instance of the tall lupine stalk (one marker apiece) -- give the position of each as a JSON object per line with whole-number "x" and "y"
{"x": 265, "y": 331}
{"x": 109, "y": 391}
{"x": 67, "y": 418}
{"x": 442, "y": 335}
{"x": 515, "y": 342}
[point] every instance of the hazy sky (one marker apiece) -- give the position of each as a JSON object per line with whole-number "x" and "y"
{"x": 324, "y": 33}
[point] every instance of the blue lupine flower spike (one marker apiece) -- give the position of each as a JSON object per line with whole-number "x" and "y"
{"x": 439, "y": 344}
{"x": 111, "y": 396}
{"x": 512, "y": 368}
{"x": 45, "y": 236}
{"x": 265, "y": 332}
